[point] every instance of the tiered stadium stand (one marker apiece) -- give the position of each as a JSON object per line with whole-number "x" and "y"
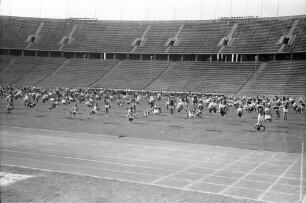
{"x": 79, "y": 73}
{"x": 259, "y": 36}
{"x": 280, "y": 78}
{"x": 199, "y": 37}
{"x": 29, "y": 70}
{"x": 4, "y": 60}
{"x": 250, "y": 36}
{"x": 299, "y": 42}
{"x": 157, "y": 37}
{"x": 195, "y": 40}
{"x": 51, "y": 34}
{"x": 205, "y": 77}
{"x": 133, "y": 74}
{"x": 111, "y": 36}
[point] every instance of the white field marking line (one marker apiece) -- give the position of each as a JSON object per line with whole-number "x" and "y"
{"x": 304, "y": 200}
{"x": 275, "y": 182}
{"x": 141, "y": 183}
{"x": 81, "y": 166}
{"x": 89, "y": 160}
{"x": 184, "y": 169}
{"x": 146, "y": 154}
{"x": 98, "y": 155}
{"x": 95, "y": 167}
{"x": 127, "y": 145}
{"x": 148, "y": 161}
{"x": 126, "y": 153}
{"x": 152, "y": 155}
{"x": 184, "y": 145}
{"x": 180, "y": 159}
{"x": 113, "y": 136}
{"x": 201, "y": 179}
{"x": 170, "y": 170}
{"x": 248, "y": 173}
{"x": 114, "y": 170}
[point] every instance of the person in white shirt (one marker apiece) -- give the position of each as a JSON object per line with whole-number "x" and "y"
{"x": 260, "y": 120}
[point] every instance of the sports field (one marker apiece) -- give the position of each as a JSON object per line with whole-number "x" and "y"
{"x": 215, "y": 159}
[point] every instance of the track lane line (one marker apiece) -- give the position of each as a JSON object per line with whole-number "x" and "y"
{"x": 141, "y": 183}
{"x": 275, "y": 182}
{"x": 248, "y": 173}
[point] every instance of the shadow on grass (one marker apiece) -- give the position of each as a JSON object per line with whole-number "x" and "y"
{"x": 41, "y": 116}
{"x": 213, "y": 130}
{"x": 249, "y": 131}
{"x": 13, "y": 112}
{"x": 176, "y": 126}
{"x": 109, "y": 123}
{"x": 279, "y": 131}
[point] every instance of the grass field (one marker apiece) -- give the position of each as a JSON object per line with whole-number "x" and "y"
{"x": 212, "y": 129}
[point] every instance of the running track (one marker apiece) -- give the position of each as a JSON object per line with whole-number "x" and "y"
{"x": 257, "y": 175}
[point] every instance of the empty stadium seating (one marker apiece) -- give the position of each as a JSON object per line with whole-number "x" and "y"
{"x": 29, "y": 70}
{"x": 250, "y": 36}
{"x": 133, "y": 74}
{"x": 79, "y": 73}
{"x": 204, "y": 77}
{"x": 280, "y": 78}
{"x": 4, "y": 60}
{"x": 276, "y": 77}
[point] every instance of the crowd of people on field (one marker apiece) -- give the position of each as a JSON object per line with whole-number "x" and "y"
{"x": 190, "y": 103}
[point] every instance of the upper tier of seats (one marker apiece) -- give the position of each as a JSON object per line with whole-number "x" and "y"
{"x": 248, "y": 35}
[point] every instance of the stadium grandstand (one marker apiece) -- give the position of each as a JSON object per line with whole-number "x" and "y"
{"x": 201, "y": 109}
{"x": 228, "y": 55}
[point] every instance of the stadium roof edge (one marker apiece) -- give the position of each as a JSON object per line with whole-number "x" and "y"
{"x": 159, "y": 21}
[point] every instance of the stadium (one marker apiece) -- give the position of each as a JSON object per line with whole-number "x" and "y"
{"x": 198, "y": 149}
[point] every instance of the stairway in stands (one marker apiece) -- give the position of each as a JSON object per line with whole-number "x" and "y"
{"x": 250, "y": 83}
{"x": 280, "y": 78}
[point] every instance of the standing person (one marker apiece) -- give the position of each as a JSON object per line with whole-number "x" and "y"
{"x": 260, "y": 120}
{"x": 130, "y": 114}
{"x": 268, "y": 114}
{"x": 26, "y": 99}
{"x": 222, "y": 109}
{"x": 10, "y": 105}
{"x": 276, "y": 109}
{"x": 107, "y": 107}
{"x": 94, "y": 110}
{"x": 285, "y": 111}
{"x": 74, "y": 111}
{"x": 240, "y": 111}
{"x": 171, "y": 105}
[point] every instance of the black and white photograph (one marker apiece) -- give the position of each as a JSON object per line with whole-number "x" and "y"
{"x": 153, "y": 101}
